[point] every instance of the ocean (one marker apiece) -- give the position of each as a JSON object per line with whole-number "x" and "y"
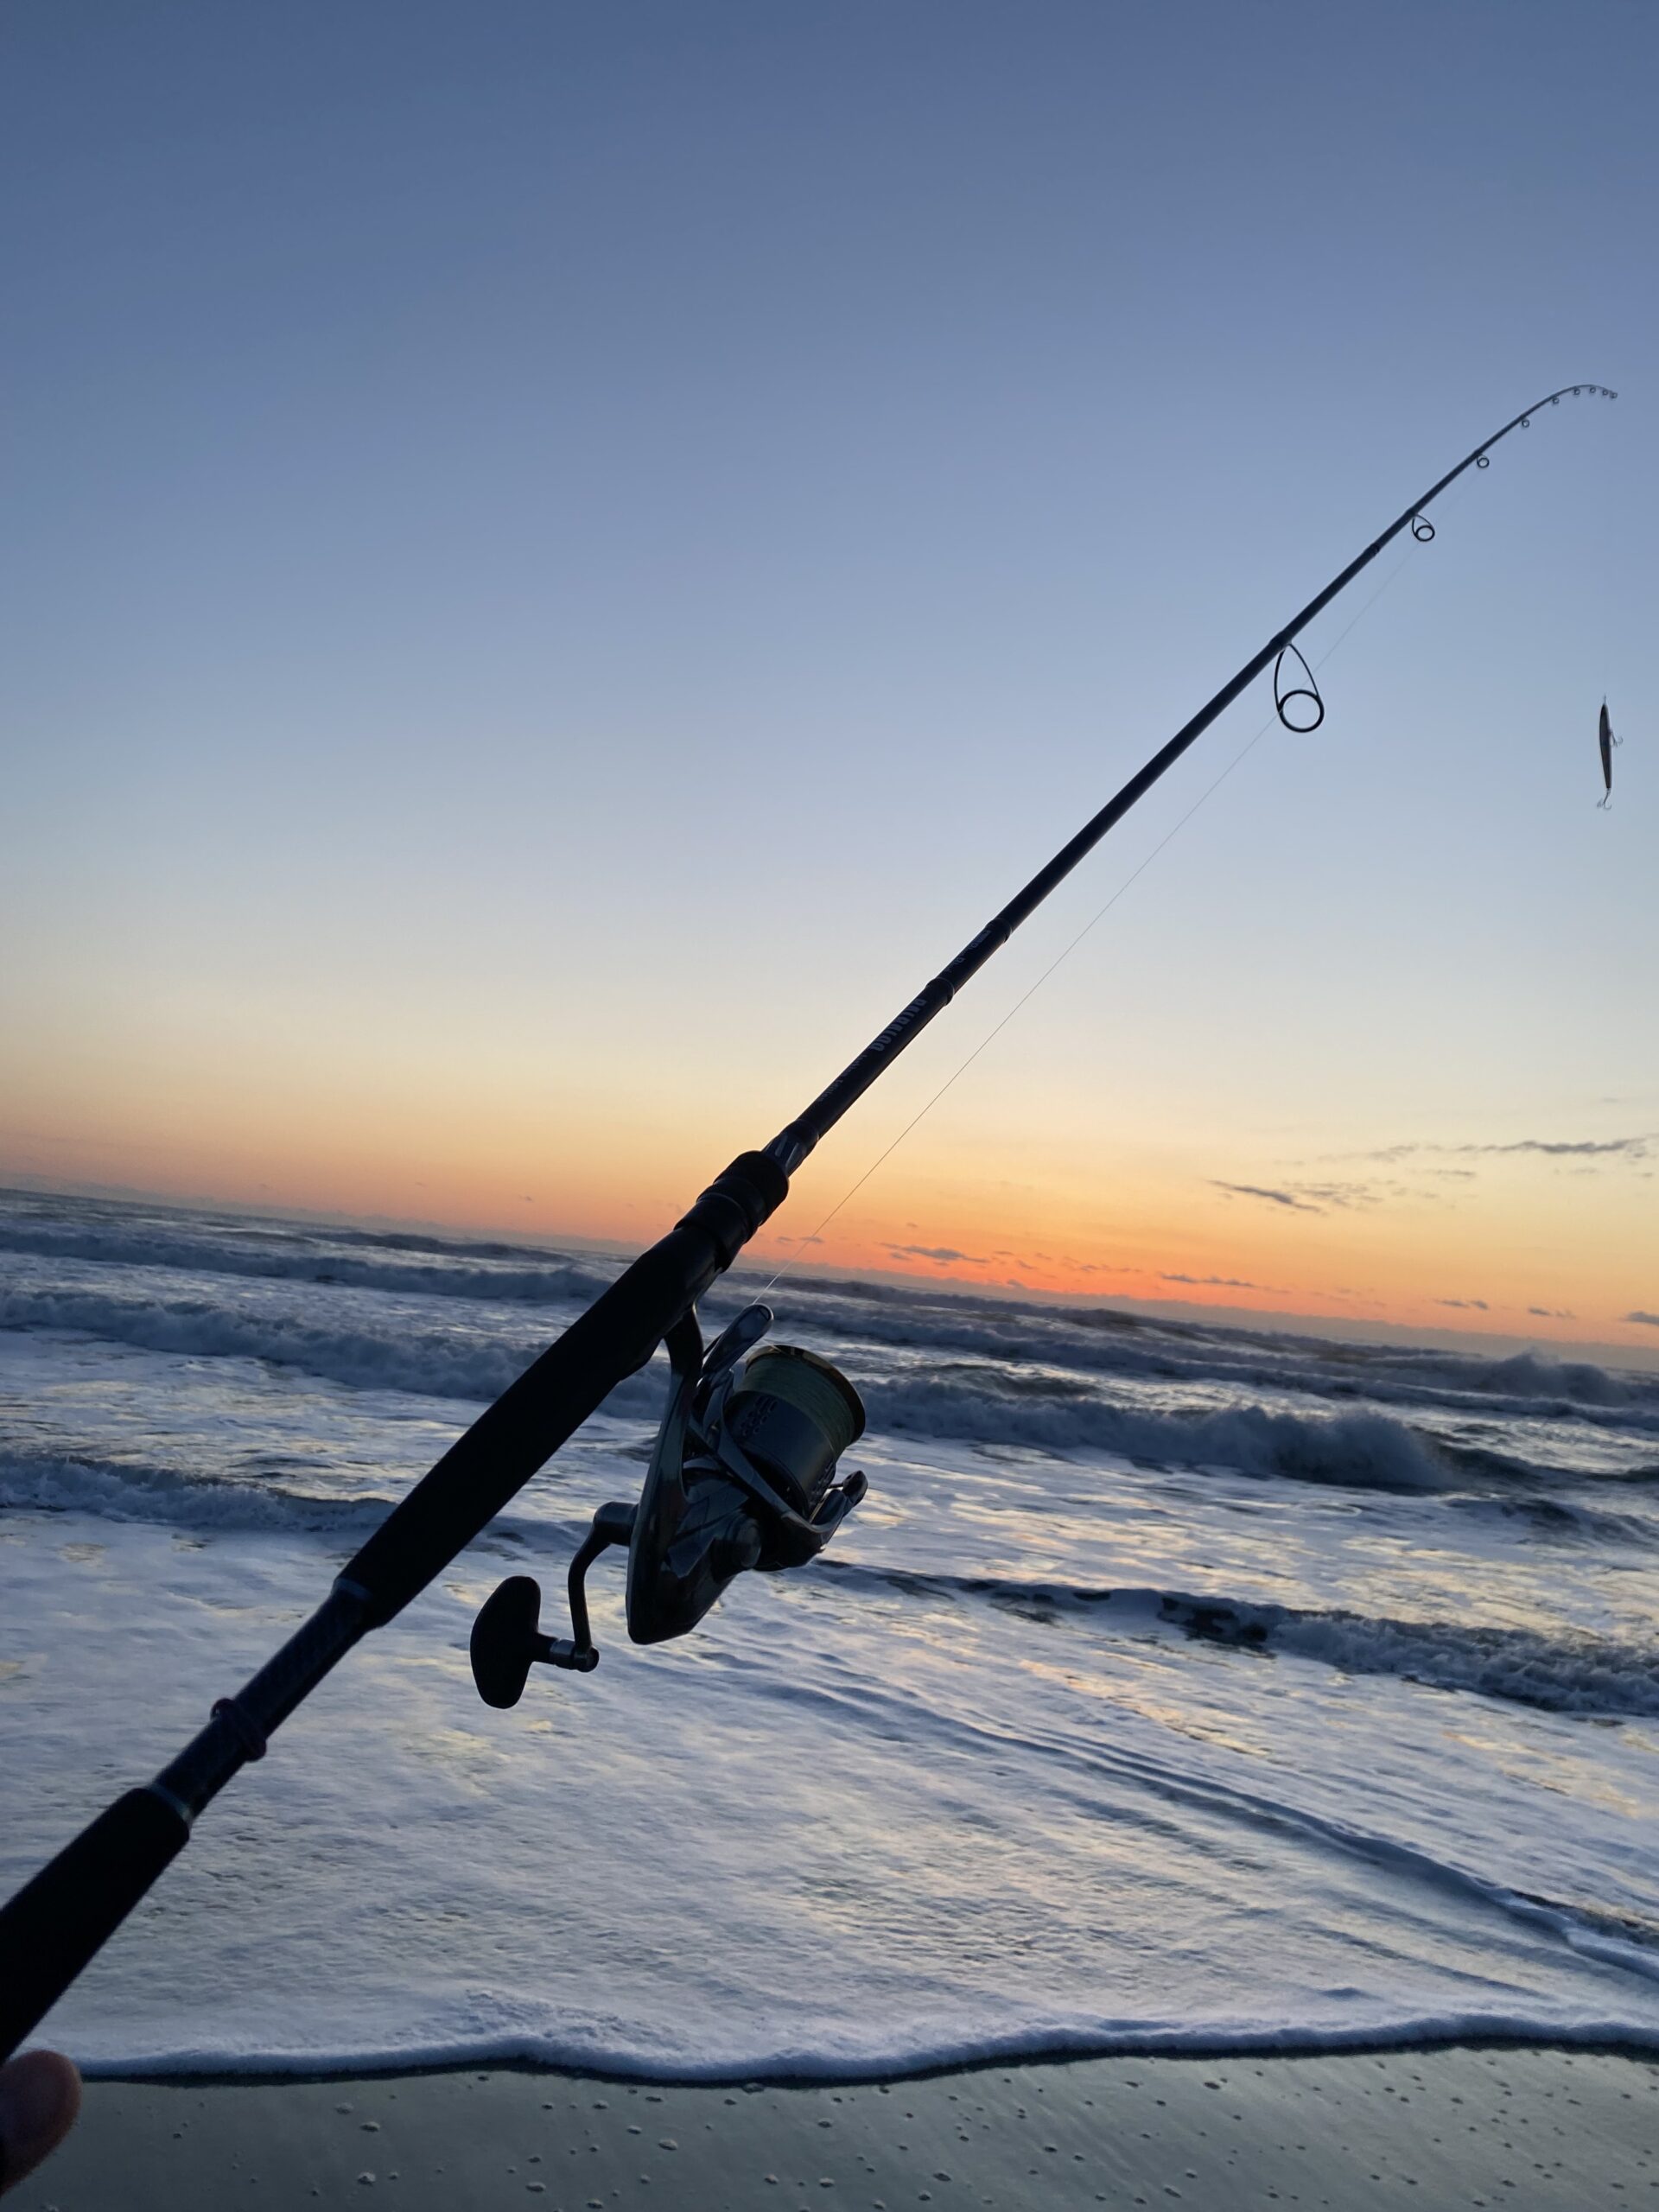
{"x": 1176, "y": 1686}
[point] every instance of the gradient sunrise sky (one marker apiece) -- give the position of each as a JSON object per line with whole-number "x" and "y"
{"x": 559, "y": 559}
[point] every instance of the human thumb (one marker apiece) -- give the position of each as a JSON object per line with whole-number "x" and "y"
{"x": 40, "y": 2095}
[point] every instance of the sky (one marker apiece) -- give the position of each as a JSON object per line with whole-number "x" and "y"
{"x": 558, "y": 560}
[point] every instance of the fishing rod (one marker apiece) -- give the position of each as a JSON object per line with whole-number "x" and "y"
{"x": 741, "y": 1475}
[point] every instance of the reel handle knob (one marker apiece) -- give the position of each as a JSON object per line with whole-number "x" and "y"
{"x": 506, "y": 1643}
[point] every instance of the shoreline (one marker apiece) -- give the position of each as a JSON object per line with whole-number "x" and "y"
{"x": 1221, "y": 2052}
{"x": 1541, "y": 2126}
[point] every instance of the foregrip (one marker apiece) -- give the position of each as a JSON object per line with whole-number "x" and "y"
{"x": 71, "y": 1908}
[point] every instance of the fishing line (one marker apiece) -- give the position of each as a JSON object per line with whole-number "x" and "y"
{"x": 1064, "y": 954}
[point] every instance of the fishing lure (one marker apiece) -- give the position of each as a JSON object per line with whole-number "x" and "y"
{"x": 1604, "y": 733}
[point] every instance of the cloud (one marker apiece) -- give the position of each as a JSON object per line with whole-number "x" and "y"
{"x": 1472, "y": 1304}
{"x": 942, "y": 1254}
{"x": 1547, "y": 1147}
{"x": 1275, "y": 1198}
{"x": 1551, "y": 1313}
{"x": 1215, "y": 1282}
{"x": 1583, "y": 1148}
{"x": 1648, "y": 1321}
{"x": 1318, "y": 1197}
{"x": 1342, "y": 1194}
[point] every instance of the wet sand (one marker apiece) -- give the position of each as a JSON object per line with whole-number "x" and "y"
{"x": 1572, "y": 2132}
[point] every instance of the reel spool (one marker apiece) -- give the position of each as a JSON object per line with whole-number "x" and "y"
{"x": 741, "y": 1476}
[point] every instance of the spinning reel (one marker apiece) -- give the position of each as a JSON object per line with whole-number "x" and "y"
{"x": 741, "y": 1476}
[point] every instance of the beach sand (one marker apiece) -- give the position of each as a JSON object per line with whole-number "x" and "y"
{"x": 1516, "y": 2128}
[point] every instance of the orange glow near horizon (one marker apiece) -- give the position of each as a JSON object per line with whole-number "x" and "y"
{"x": 1131, "y": 1218}
{"x": 1191, "y": 1245}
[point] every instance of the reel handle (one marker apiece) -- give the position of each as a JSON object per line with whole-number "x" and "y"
{"x": 507, "y": 1640}
{"x": 57, "y": 1922}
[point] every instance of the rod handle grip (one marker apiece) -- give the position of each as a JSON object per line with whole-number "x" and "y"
{"x": 59, "y": 1921}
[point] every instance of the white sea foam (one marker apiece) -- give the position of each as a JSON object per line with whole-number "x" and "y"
{"x": 770, "y": 2052}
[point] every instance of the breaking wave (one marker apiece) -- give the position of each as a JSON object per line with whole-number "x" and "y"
{"x": 1013, "y": 1335}
{"x": 1557, "y": 1520}
{"x": 1356, "y": 1451}
{"x": 225, "y": 1505}
{"x": 1363, "y": 1451}
{"x": 285, "y": 1260}
{"x": 1576, "y": 1382}
{"x": 973, "y": 1403}
{"x": 1581, "y": 1674}
{"x": 120, "y": 1490}
{"x": 429, "y": 1363}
